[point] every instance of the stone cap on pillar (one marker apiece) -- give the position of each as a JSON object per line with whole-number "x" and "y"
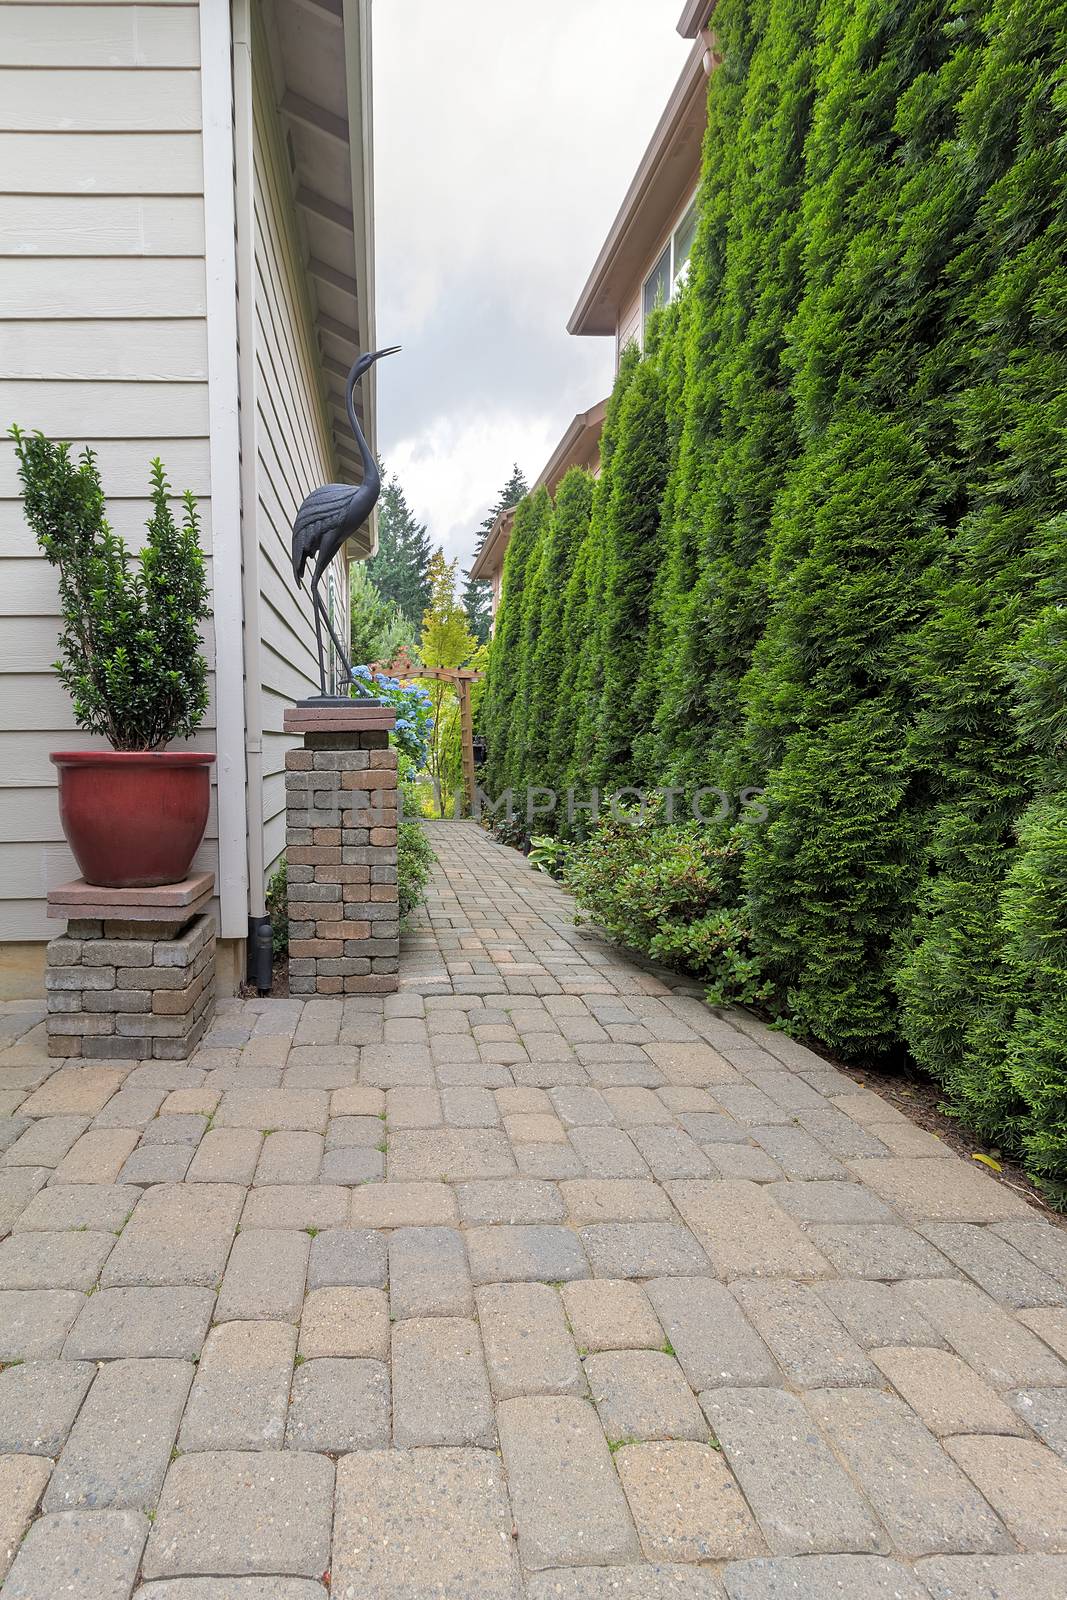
{"x": 166, "y": 902}
{"x": 339, "y": 716}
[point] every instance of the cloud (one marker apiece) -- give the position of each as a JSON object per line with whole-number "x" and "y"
{"x": 505, "y": 139}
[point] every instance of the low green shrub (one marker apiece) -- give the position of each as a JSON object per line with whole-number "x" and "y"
{"x": 549, "y": 855}
{"x": 414, "y": 861}
{"x": 278, "y": 910}
{"x": 670, "y": 890}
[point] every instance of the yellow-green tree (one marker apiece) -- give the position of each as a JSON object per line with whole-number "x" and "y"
{"x": 446, "y": 642}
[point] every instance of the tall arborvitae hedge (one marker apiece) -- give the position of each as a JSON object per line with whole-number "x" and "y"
{"x": 825, "y": 553}
{"x": 551, "y": 659}
{"x": 507, "y": 675}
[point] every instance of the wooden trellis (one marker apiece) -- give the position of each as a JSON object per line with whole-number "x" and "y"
{"x": 406, "y": 670}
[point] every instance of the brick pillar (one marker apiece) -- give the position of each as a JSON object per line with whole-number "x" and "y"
{"x": 340, "y": 846}
{"x": 134, "y": 974}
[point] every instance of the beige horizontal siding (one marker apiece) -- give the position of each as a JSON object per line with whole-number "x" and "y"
{"x": 70, "y": 164}
{"x": 113, "y": 224}
{"x": 101, "y": 36}
{"x": 129, "y": 287}
{"x": 168, "y": 352}
{"x": 102, "y": 341}
{"x": 48, "y": 101}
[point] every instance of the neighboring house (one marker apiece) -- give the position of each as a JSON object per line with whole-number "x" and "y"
{"x": 642, "y": 264}
{"x": 579, "y": 447}
{"x": 187, "y": 243}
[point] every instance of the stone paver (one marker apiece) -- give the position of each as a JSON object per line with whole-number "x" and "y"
{"x": 265, "y": 1276}
{"x": 140, "y": 1322}
{"x": 588, "y": 1291}
{"x": 568, "y": 1504}
{"x": 528, "y": 1347}
{"x": 338, "y": 1405}
{"x": 79, "y": 1553}
{"x": 1029, "y": 1577}
{"x": 53, "y": 1260}
{"x": 22, "y": 1482}
{"x": 1045, "y": 1411}
{"x": 38, "y": 1403}
{"x": 810, "y": 1345}
{"x": 611, "y": 1315}
{"x": 945, "y": 1393}
{"x": 440, "y": 1386}
{"x": 34, "y": 1323}
{"x": 802, "y": 1499}
{"x": 231, "y": 1512}
{"x": 822, "y": 1578}
{"x": 710, "y": 1334}
{"x": 1023, "y": 1481}
{"x": 179, "y": 1234}
{"x": 745, "y": 1233}
{"x": 428, "y": 1274}
{"x": 345, "y": 1322}
{"x": 405, "y": 1514}
{"x": 525, "y": 1254}
{"x": 685, "y": 1502}
{"x": 642, "y": 1394}
{"x": 239, "y": 1396}
{"x": 119, "y": 1447}
{"x": 926, "y": 1503}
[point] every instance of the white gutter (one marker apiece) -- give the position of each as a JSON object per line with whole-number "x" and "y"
{"x": 224, "y": 445}
{"x": 244, "y": 184}
{"x": 357, "y": 30}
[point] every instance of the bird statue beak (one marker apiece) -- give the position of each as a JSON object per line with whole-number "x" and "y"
{"x": 393, "y": 350}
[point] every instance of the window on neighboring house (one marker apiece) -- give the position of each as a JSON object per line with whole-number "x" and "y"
{"x": 672, "y": 268}
{"x": 658, "y": 285}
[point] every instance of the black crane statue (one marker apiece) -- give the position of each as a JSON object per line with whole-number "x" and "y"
{"x": 331, "y": 515}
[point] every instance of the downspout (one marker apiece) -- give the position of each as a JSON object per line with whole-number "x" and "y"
{"x": 223, "y": 446}
{"x": 259, "y": 945}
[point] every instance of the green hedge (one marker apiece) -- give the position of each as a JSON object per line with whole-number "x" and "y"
{"x": 825, "y": 555}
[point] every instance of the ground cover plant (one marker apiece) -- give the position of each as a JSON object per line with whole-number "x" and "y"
{"x": 824, "y": 557}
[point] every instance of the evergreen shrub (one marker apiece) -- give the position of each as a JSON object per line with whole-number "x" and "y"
{"x": 824, "y": 558}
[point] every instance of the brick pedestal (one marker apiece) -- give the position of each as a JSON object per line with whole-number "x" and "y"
{"x": 340, "y": 845}
{"x": 133, "y": 977}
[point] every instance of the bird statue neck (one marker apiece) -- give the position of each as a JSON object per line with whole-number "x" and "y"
{"x": 371, "y": 474}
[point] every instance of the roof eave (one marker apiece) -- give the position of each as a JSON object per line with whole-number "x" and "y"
{"x": 575, "y": 444}
{"x": 595, "y": 313}
{"x": 694, "y": 17}
{"x": 486, "y": 564}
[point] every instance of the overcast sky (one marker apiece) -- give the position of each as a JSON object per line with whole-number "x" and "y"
{"x": 506, "y": 135}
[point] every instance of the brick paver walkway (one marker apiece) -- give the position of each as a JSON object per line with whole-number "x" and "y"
{"x": 539, "y": 1279}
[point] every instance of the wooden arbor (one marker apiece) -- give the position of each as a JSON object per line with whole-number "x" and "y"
{"x": 406, "y": 669}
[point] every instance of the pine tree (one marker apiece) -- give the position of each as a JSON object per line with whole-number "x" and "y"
{"x": 631, "y": 554}
{"x": 378, "y": 629}
{"x": 505, "y": 654}
{"x": 400, "y": 570}
{"x": 476, "y": 591}
{"x": 962, "y": 979}
{"x": 586, "y": 683}
{"x": 553, "y": 648}
{"x": 738, "y": 438}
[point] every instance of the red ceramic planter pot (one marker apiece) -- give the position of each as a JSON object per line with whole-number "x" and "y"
{"x": 133, "y": 818}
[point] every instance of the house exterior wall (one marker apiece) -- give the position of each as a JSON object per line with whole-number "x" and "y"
{"x": 631, "y": 317}
{"x": 103, "y": 341}
{"x": 294, "y": 452}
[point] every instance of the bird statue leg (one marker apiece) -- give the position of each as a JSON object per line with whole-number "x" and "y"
{"x": 316, "y": 605}
{"x": 346, "y": 664}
